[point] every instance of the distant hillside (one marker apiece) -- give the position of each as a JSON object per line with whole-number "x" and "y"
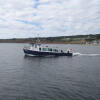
{"x": 61, "y": 39}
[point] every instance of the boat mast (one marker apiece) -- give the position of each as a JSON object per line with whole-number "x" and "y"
{"x": 38, "y": 40}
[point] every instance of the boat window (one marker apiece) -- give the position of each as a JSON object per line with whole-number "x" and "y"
{"x": 32, "y": 44}
{"x": 55, "y": 50}
{"x": 44, "y": 49}
{"x": 49, "y": 49}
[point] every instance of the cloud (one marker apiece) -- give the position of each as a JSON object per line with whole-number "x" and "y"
{"x": 20, "y": 18}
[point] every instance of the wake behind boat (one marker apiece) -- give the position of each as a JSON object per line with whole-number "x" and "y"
{"x": 37, "y": 49}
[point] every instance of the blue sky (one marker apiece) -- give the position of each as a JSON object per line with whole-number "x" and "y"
{"x": 27, "y": 18}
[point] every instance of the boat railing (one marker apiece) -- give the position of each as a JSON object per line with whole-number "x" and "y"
{"x": 45, "y": 49}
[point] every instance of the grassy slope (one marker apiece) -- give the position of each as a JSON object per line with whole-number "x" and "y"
{"x": 78, "y": 39}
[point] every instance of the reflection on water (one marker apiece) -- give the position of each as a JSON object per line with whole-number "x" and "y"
{"x": 49, "y": 78}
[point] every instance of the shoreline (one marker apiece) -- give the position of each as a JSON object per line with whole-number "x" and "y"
{"x": 55, "y": 43}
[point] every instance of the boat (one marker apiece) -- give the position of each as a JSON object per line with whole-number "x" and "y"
{"x": 37, "y": 49}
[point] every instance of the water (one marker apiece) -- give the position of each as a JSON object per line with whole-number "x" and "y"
{"x": 50, "y": 78}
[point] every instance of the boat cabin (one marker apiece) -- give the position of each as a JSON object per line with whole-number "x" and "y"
{"x": 41, "y": 48}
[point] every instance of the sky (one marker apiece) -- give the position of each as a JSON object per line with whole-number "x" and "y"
{"x": 48, "y": 18}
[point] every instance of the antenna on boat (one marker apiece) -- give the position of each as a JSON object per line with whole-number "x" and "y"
{"x": 38, "y": 40}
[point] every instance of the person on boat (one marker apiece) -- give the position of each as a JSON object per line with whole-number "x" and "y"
{"x": 70, "y": 50}
{"x": 39, "y": 49}
{"x": 62, "y": 51}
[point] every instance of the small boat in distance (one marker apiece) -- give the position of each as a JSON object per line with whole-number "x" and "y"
{"x": 37, "y": 49}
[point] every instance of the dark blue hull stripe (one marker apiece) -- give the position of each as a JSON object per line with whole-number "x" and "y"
{"x": 38, "y": 53}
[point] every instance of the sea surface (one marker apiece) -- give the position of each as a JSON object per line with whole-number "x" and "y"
{"x": 49, "y": 78}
